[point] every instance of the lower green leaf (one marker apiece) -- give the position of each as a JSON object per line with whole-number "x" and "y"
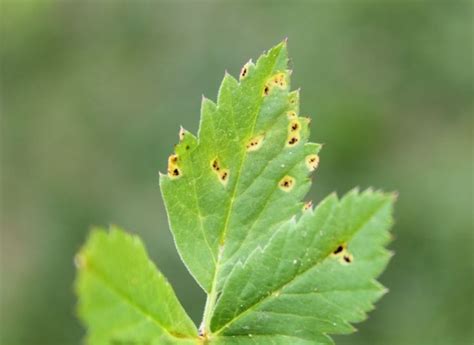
{"x": 123, "y": 298}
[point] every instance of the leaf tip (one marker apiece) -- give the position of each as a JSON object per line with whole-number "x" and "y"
{"x": 308, "y": 206}
{"x": 182, "y": 133}
{"x": 79, "y": 260}
{"x": 312, "y": 162}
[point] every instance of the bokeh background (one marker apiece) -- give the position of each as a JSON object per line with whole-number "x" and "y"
{"x": 93, "y": 93}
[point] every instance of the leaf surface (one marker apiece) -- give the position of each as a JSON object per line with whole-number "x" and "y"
{"x": 247, "y": 171}
{"x": 315, "y": 276}
{"x": 123, "y": 298}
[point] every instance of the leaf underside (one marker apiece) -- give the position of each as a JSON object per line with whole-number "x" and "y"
{"x": 275, "y": 270}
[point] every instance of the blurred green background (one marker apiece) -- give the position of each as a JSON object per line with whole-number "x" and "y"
{"x": 93, "y": 93}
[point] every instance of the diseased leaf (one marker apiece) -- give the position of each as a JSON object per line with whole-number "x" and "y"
{"x": 124, "y": 299}
{"x": 314, "y": 276}
{"x": 275, "y": 270}
{"x": 246, "y": 173}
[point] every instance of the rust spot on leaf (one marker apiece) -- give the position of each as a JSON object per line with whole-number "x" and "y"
{"x": 293, "y": 140}
{"x": 221, "y": 173}
{"x": 279, "y": 80}
{"x": 173, "y": 167}
{"x": 266, "y": 90}
{"x": 347, "y": 258}
{"x": 294, "y": 125}
{"x": 182, "y": 133}
{"x": 245, "y": 70}
{"x": 291, "y": 114}
{"x": 224, "y": 176}
{"x": 215, "y": 165}
{"x": 342, "y": 254}
{"x": 339, "y": 249}
{"x": 287, "y": 183}
{"x": 307, "y": 206}
{"x": 312, "y": 162}
{"x": 255, "y": 143}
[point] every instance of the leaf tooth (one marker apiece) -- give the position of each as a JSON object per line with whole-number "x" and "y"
{"x": 312, "y": 162}
{"x": 80, "y": 260}
{"x": 278, "y": 52}
{"x": 228, "y": 84}
{"x": 182, "y": 133}
{"x": 308, "y": 206}
{"x": 207, "y": 102}
{"x": 246, "y": 70}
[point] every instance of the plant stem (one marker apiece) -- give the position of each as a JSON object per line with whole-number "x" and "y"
{"x": 205, "y": 328}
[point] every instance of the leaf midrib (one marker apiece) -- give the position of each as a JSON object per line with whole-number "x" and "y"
{"x": 212, "y": 293}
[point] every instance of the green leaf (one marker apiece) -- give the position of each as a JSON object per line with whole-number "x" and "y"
{"x": 275, "y": 270}
{"x": 314, "y": 276}
{"x": 124, "y": 299}
{"x": 246, "y": 173}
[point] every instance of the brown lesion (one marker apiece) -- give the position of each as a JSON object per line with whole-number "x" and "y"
{"x": 293, "y": 98}
{"x": 294, "y": 125}
{"x": 244, "y": 72}
{"x": 175, "y": 172}
{"x": 221, "y": 173}
{"x": 173, "y": 166}
{"x": 312, "y": 162}
{"x": 291, "y": 114}
{"x": 307, "y": 206}
{"x": 182, "y": 133}
{"x": 347, "y": 259}
{"x": 266, "y": 90}
{"x": 342, "y": 253}
{"x": 294, "y": 129}
{"x": 292, "y": 141}
{"x": 277, "y": 80}
{"x": 255, "y": 143}
{"x": 215, "y": 165}
{"x": 224, "y": 176}
{"x": 338, "y": 250}
{"x": 286, "y": 183}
